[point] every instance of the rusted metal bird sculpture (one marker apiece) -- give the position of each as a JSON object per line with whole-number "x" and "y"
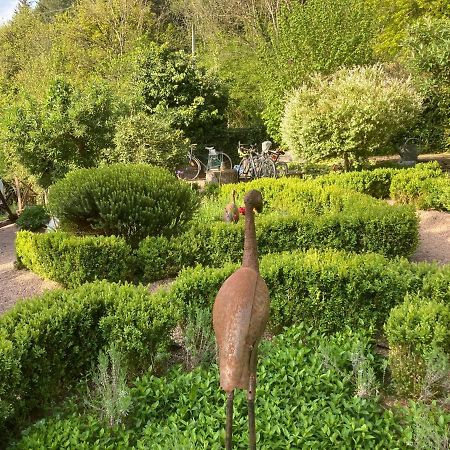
{"x": 240, "y": 315}
{"x": 231, "y": 213}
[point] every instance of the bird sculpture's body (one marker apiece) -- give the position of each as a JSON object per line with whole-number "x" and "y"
{"x": 240, "y": 315}
{"x": 231, "y": 213}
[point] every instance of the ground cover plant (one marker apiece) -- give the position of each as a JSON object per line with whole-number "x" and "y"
{"x": 309, "y": 395}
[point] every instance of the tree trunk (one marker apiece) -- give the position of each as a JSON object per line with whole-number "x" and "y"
{"x": 346, "y": 162}
{"x": 11, "y": 215}
{"x": 19, "y": 194}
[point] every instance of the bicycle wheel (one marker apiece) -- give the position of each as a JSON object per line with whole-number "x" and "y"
{"x": 245, "y": 170}
{"x": 189, "y": 171}
{"x": 225, "y": 160}
{"x": 266, "y": 168}
{"x": 282, "y": 169}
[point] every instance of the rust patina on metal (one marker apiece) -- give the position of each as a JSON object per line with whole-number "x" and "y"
{"x": 240, "y": 315}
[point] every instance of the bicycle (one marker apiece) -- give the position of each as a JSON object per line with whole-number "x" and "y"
{"x": 194, "y": 166}
{"x": 254, "y": 164}
{"x": 280, "y": 166}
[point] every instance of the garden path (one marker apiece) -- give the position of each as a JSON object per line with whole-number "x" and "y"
{"x": 18, "y": 284}
{"x": 434, "y": 235}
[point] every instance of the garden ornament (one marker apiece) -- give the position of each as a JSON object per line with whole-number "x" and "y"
{"x": 231, "y": 213}
{"x": 240, "y": 315}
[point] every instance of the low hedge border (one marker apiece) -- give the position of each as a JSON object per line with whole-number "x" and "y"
{"x": 391, "y": 231}
{"x": 324, "y": 289}
{"x": 418, "y": 332}
{"x": 48, "y": 342}
{"x": 73, "y": 260}
{"x": 424, "y": 186}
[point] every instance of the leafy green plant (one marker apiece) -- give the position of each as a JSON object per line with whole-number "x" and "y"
{"x": 51, "y": 341}
{"x": 383, "y": 229}
{"x": 73, "y": 260}
{"x": 144, "y": 138}
{"x": 191, "y": 99}
{"x": 354, "y": 113}
{"x": 33, "y": 218}
{"x": 199, "y": 341}
{"x": 301, "y": 404}
{"x": 130, "y": 200}
{"x": 317, "y": 36}
{"x": 325, "y": 289}
{"x": 415, "y": 329}
{"x": 69, "y": 128}
{"x": 111, "y": 396}
{"x": 431, "y": 71}
{"x": 425, "y": 187}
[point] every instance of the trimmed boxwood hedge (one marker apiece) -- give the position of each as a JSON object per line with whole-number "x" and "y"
{"x": 324, "y": 289}
{"x": 48, "y": 342}
{"x": 73, "y": 260}
{"x": 391, "y": 231}
{"x": 375, "y": 182}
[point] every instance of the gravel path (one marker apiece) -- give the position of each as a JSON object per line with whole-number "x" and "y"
{"x": 18, "y": 284}
{"x": 434, "y": 235}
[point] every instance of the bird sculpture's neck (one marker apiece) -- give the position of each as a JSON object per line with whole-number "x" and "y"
{"x": 250, "y": 246}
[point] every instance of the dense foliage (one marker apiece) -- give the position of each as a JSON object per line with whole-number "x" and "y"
{"x": 69, "y": 128}
{"x": 425, "y": 186}
{"x": 314, "y": 392}
{"x": 73, "y": 260}
{"x": 418, "y": 331}
{"x": 134, "y": 201}
{"x": 317, "y": 36}
{"x": 427, "y": 48}
{"x": 380, "y": 228}
{"x": 33, "y": 218}
{"x": 144, "y": 138}
{"x": 355, "y": 113}
{"x": 49, "y": 342}
{"x": 190, "y": 99}
{"x": 325, "y": 289}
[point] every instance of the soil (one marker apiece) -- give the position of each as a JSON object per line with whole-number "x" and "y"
{"x": 16, "y": 284}
{"x": 19, "y": 284}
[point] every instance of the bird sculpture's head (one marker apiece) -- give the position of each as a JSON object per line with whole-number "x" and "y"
{"x": 253, "y": 200}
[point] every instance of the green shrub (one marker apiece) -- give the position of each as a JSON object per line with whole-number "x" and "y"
{"x": 415, "y": 329}
{"x": 413, "y": 185}
{"x": 305, "y": 399}
{"x": 52, "y": 340}
{"x": 355, "y": 112}
{"x": 33, "y": 218}
{"x": 145, "y": 138}
{"x": 325, "y": 289}
{"x": 130, "y": 200}
{"x": 424, "y": 186}
{"x": 73, "y": 260}
{"x": 372, "y": 182}
{"x": 383, "y": 229}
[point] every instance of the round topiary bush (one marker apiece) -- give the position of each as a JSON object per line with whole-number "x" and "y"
{"x": 353, "y": 113}
{"x": 130, "y": 200}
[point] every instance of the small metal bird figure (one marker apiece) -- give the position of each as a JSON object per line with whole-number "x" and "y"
{"x": 231, "y": 213}
{"x": 240, "y": 315}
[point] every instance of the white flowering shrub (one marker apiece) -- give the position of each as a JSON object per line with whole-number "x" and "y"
{"x": 353, "y": 113}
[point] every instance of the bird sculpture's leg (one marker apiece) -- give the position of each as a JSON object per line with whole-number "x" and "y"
{"x": 229, "y": 429}
{"x": 251, "y": 401}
